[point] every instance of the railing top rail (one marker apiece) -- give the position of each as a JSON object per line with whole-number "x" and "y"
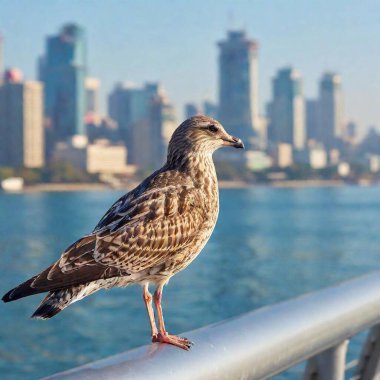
{"x": 255, "y": 345}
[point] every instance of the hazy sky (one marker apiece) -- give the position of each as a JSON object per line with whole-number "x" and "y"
{"x": 173, "y": 42}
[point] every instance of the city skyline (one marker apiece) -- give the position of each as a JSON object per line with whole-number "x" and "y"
{"x": 120, "y": 53}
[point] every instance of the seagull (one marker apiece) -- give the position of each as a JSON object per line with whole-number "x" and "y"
{"x": 148, "y": 235}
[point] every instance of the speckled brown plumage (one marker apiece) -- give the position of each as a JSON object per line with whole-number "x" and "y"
{"x": 150, "y": 233}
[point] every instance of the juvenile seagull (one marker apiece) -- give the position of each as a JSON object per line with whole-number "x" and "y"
{"x": 148, "y": 235}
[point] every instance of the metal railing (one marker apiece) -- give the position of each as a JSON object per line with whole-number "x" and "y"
{"x": 264, "y": 342}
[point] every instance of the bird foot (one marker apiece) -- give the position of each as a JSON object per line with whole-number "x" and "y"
{"x": 178, "y": 341}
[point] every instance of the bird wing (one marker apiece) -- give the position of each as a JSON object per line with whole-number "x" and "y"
{"x": 157, "y": 226}
{"x": 141, "y": 230}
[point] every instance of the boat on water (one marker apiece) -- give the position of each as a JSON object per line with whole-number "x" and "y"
{"x": 12, "y": 184}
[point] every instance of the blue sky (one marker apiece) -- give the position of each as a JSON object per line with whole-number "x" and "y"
{"x": 174, "y": 42}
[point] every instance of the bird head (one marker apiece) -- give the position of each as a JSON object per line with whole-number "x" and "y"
{"x": 201, "y": 134}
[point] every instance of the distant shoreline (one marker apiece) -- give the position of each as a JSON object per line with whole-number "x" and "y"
{"x": 67, "y": 187}
{"x": 56, "y": 187}
{"x": 308, "y": 183}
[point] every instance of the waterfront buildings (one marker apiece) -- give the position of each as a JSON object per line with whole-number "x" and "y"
{"x": 325, "y": 115}
{"x": 1, "y": 57}
{"x": 191, "y": 109}
{"x": 146, "y": 121}
{"x": 314, "y": 155}
{"x": 119, "y": 109}
{"x": 351, "y": 132}
{"x": 210, "y": 109}
{"x": 331, "y": 117}
{"x": 63, "y": 70}
{"x": 162, "y": 124}
{"x": 371, "y": 142}
{"x": 312, "y": 119}
{"x": 21, "y": 122}
{"x": 207, "y": 108}
{"x": 287, "y": 109}
{"x": 282, "y": 155}
{"x": 100, "y": 157}
{"x": 257, "y": 160}
{"x": 317, "y": 157}
{"x": 92, "y": 86}
{"x": 102, "y": 127}
{"x": 373, "y": 162}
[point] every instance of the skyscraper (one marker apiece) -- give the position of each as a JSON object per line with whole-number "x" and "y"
{"x": 1, "y": 57}
{"x": 312, "y": 119}
{"x": 191, "y": 109}
{"x": 286, "y": 111}
{"x": 92, "y": 95}
{"x": 210, "y": 109}
{"x": 331, "y": 115}
{"x": 162, "y": 124}
{"x": 63, "y": 70}
{"x": 146, "y": 121}
{"x": 351, "y": 132}
{"x": 120, "y": 110}
{"x": 238, "y": 85}
{"x": 21, "y": 122}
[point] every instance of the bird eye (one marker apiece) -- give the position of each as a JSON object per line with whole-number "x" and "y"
{"x": 212, "y": 128}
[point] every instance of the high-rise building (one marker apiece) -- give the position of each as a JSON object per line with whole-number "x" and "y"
{"x": 312, "y": 119}
{"x": 238, "y": 86}
{"x": 210, "y": 109}
{"x": 331, "y": 117}
{"x": 21, "y": 122}
{"x": 286, "y": 111}
{"x": 162, "y": 124}
{"x": 92, "y": 86}
{"x": 63, "y": 70}
{"x": 1, "y": 57}
{"x": 119, "y": 109}
{"x": 371, "y": 141}
{"x": 100, "y": 157}
{"x": 282, "y": 154}
{"x": 351, "y": 132}
{"x": 146, "y": 121}
{"x": 191, "y": 109}
{"x": 102, "y": 127}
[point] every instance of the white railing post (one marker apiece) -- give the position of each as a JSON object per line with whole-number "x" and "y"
{"x": 369, "y": 364}
{"x": 328, "y": 365}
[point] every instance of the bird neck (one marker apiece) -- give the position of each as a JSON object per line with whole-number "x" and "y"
{"x": 199, "y": 166}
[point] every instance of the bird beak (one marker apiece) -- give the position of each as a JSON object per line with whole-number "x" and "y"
{"x": 233, "y": 141}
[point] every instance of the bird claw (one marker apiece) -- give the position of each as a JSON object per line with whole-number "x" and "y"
{"x": 178, "y": 341}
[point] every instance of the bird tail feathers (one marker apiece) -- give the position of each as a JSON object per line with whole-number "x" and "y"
{"x": 57, "y": 300}
{"x": 46, "y": 310}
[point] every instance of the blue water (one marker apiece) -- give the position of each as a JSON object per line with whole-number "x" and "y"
{"x": 269, "y": 245}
